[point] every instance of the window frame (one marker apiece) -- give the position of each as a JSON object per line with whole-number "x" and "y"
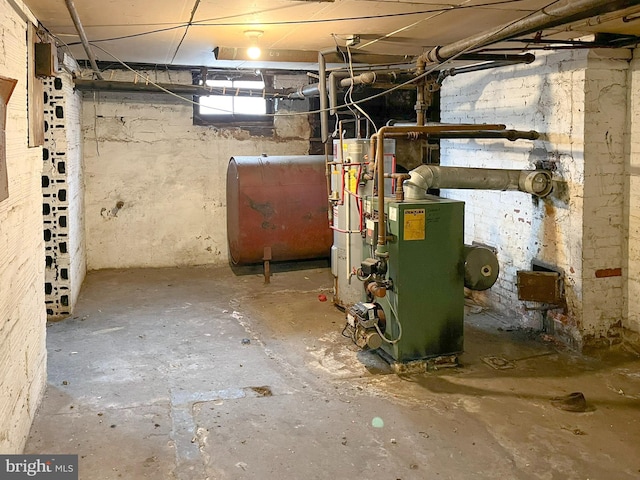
{"x": 236, "y": 119}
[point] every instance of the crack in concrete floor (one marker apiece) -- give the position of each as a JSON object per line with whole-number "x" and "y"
{"x": 155, "y": 376}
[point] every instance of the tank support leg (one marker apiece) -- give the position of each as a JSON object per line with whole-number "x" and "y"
{"x": 267, "y": 267}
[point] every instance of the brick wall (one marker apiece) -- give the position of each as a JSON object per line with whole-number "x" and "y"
{"x": 22, "y": 311}
{"x": 606, "y": 92}
{"x": 156, "y": 184}
{"x": 632, "y": 212}
{"x": 576, "y": 100}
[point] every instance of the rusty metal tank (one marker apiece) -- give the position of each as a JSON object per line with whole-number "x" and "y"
{"x": 278, "y": 202}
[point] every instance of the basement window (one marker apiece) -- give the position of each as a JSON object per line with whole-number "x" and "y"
{"x": 234, "y": 102}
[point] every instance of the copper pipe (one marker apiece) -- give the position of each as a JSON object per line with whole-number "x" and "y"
{"x": 377, "y": 290}
{"x": 420, "y": 94}
{"x": 400, "y": 178}
{"x": 372, "y": 154}
{"x": 433, "y": 128}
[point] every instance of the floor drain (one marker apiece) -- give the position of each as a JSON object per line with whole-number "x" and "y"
{"x": 499, "y": 363}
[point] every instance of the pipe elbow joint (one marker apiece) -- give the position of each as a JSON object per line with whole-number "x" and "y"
{"x": 420, "y": 180}
{"x": 434, "y": 55}
{"x": 536, "y": 182}
{"x": 368, "y": 78}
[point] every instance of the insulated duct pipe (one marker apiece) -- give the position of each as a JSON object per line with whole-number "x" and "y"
{"x": 344, "y": 80}
{"x": 366, "y": 78}
{"x": 369, "y": 78}
{"x": 324, "y": 125}
{"x": 424, "y": 177}
{"x": 561, "y": 13}
{"x": 83, "y": 37}
{"x": 322, "y": 91}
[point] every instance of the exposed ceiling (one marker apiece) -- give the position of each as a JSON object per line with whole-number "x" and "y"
{"x": 185, "y": 32}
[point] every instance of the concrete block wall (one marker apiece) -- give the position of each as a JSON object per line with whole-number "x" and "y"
{"x": 22, "y": 311}
{"x": 156, "y": 184}
{"x": 63, "y": 196}
{"x": 576, "y": 101}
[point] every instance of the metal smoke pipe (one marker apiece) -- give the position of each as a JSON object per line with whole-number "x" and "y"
{"x": 377, "y": 148}
{"x": 424, "y": 177}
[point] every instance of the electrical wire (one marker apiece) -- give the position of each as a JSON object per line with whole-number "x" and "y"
{"x": 186, "y": 30}
{"x": 349, "y": 104}
{"x": 397, "y": 339}
{"x": 375, "y": 128}
{"x": 406, "y": 27}
{"x": 192, "y": 102}
{"x": 58, "y": 39}
{"x": 173, "y": 25}
{"x": 445, "y": 62}
{"x": 214, "y": 23}
{"x": 148, "y": 80}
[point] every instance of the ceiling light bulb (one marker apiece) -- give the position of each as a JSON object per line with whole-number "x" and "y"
{"x": 253, "y": 52}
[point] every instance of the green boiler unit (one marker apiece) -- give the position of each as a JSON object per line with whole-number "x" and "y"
{"x": 424, "y": 306}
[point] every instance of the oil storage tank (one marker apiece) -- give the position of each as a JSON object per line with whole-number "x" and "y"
{"x": 278, "y": 203}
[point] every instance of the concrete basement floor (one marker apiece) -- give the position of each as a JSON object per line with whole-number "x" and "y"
{"x": 195, "y": 373}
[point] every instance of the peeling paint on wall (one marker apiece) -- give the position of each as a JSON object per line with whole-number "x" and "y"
{"x": 144, "y": 150}
{"x": 23, "y": 354}
{"x": 577, "y": 101}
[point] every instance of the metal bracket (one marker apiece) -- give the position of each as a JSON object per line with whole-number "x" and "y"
{"x": 267, "y": 266}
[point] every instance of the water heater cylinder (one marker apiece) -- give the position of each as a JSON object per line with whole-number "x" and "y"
{"x": 277, "y": 202}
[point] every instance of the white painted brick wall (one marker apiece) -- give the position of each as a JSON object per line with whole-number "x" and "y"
{"x": 22, "y": 311}
{"x": 143, "y": 150}
{"x": 632, "y": 212}
{"x": 576, "y": 100}
{"x": 606, "y": 95}
{"x": 542, "y": 96}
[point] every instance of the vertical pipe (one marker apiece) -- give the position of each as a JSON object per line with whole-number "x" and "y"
{"x": 347, "y": 199}
{"x": 372, "y": 152}
{"x": 381, "y": 249}
{"x": 324, "y": 122}
{"x": 420, "y": 93}
{"x": 333, "y": 94}
{"x": 322, "y": 79}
